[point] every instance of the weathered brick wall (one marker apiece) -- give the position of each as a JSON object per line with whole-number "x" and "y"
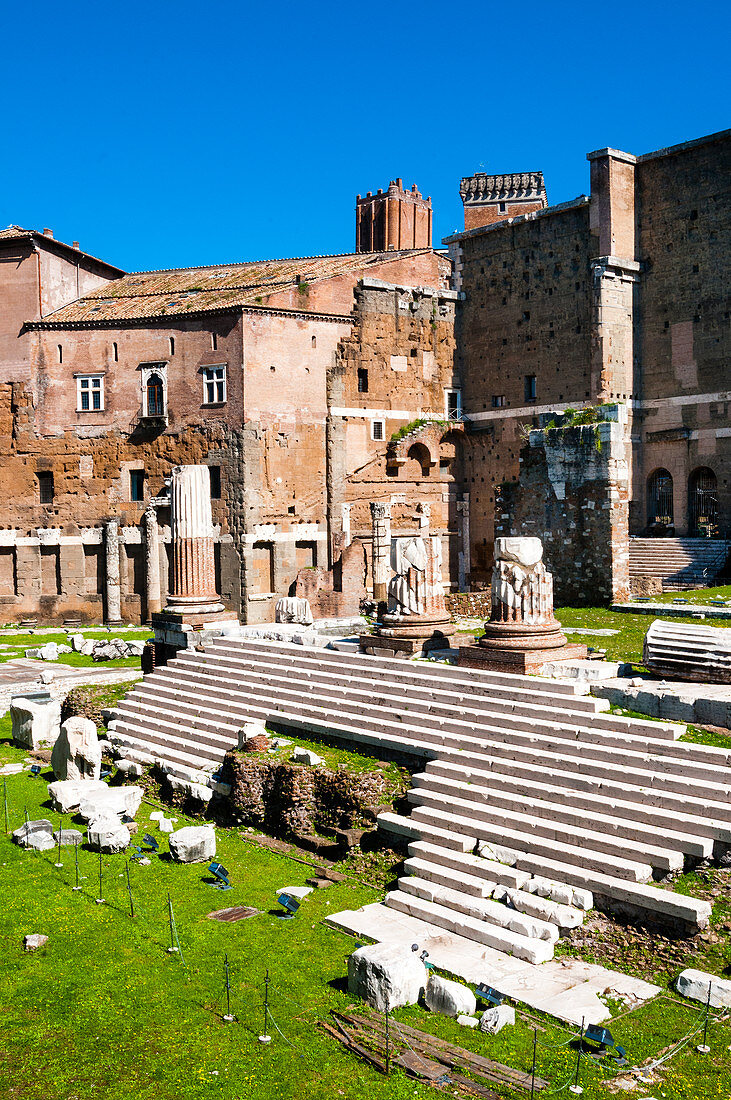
{"x": 527, "y": 311}
{"x": 572, "y": 493}
{"x": 684, "y": 243}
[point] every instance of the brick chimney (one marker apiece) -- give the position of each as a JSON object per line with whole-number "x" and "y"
{"x": 48, "y": 233}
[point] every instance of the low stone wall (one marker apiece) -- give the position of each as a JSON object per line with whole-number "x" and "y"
{"x": 468, "y": 605}
{"x": 292, "y": 799}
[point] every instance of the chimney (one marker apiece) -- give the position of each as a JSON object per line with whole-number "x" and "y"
{"x": 48, "y": 233}
{"x": 75, "y": 244}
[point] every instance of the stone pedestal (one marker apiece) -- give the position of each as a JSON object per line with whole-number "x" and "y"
{"x": 153, "y": 595}
{"x": 193, "y": 608}
{"x": 112, "y": 586}
{"x": 522, "y": 633}
{"x": 417, "y": 620}
{"x": 381, "y": 534}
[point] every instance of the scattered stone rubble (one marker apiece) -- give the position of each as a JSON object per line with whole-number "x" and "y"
{"x": 104, "y": 649}
{"x": 76, "y": 754}
{"x": 36, "y": 723}
{"x": 386, "y": 976}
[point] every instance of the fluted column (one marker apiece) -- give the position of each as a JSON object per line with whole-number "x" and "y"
{"x": 111, "y": 571}
{"x": 381, "y": 525}
{"x": 152, "y": 562}
{"x": 193, "y": 587}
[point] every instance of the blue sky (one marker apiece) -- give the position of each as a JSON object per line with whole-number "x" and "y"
{"x": 162, "y": 135}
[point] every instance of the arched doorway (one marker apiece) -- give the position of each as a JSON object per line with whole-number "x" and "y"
{"x": 660, "y": 499}
{"x": 703, "y": 502}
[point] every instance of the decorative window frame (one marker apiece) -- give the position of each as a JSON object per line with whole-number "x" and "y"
{"x": 146, "y": 372}
{"x": 85, "y": 385}
{"x": 214, "y": 383}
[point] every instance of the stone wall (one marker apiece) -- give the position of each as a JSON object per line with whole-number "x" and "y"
{"x": 572, "y": 493}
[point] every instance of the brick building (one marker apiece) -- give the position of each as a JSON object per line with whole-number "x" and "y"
{"x": 288, "y": 378}
{"x": 622, "y": 297}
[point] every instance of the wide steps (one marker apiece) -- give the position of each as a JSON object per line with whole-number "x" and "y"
{"x": 627, "y": 830}
{"x": 484, "y": 909}
{"x": 547, "y": 826}
{"x": 701, "y": 831}
{"x": 519, "y": 841}
{"x": 501, "y": 939}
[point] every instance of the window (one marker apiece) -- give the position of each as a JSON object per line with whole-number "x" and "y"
{"x": 155, "y": 394}
{"x": 498, "y": 400}
{"x": 115, "y": 353}
{"x": 362, "y": 380}
{"x": 453, "y": 404}
{"x": 172, "y": 345}
{"x": 529, "y": 387}
{"x": 214, "y": 341}
{"x": 45, "y": 487}
{"x": 215, "y": 474}
{"x": 214, "y": 385}
{"x": 660, "y": 499}
{"x": 89, "y": 392}
{"x": 137, "y": 485}
{"x": 378, "y": 429}
{"x": 502, "y": 207}
{"x": 314, "y": 341}
{"x": 60, "y": 353}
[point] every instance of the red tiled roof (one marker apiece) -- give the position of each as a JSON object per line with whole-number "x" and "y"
{"x": 153, "y": 294}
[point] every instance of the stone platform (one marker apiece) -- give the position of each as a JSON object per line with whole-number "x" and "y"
{"x": 522, "y": 662}
{"x": 569, "y": 989}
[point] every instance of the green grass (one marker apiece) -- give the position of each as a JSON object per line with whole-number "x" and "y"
{"x": 105, "y": 1011}
{"x": 624, "y": 646}
{"x": 14, "y": 645}
{"x": 695, "y": 595}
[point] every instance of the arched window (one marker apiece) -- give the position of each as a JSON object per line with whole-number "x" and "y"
{"x": 155, "y": 396}
{"x": 418, "y": 462}
{"x": 703, "y": 502}
{"x": 660, "y": 498}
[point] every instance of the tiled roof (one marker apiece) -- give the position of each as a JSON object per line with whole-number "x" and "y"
{"x": 17, "y": 233}
{"x": 180, "y": 291}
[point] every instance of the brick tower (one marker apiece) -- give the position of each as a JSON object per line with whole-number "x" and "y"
{"x": 489, "y": 199}
{"x": 392, "y": 221}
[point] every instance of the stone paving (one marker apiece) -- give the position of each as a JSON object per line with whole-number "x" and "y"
{"x": 24, "y": 674}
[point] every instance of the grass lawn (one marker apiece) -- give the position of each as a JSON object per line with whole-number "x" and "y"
{"x": 15, "y": 645}
{"x": 104, "y": 1011}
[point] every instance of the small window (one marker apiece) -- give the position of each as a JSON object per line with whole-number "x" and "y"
{"x": 502, "y": 207}
{"x": 453, "y": 404}
{"x": 45, "y": 487}
{"x": 362, "y": 380}
{"x": 90, "y": 393}
{"x": 215, "y": 474}
{"x": 115, "y": 353}
{"x": 172, "y": 345}
{"x": 214, "y": 385}
{"x": 314, "y": 341}
{"x": 137, "y": 485}
{"x": 529, "y": 387}
{"x": 60, "y": 353}
{"x": 377, "y": 429}
{"x": 498, "y": 400}
{"x": 214, "y": 341}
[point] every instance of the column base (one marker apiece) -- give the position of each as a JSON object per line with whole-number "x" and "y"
{"x": 521, "y": 662}
{"x": 174, "y": 631}
{"x": 408, "y": 636}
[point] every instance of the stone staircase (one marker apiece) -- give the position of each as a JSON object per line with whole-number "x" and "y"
{"x": 529, "y": 799}
{"x": 679, "y": 563}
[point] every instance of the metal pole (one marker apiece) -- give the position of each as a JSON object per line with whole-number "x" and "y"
{"x": 58, "y": 856}
{"x": 576, "y": 1087}
{"x": 265, "y": 1038}
{"x": 5, "y": 804}
{"x": 228, "y": 1017}
{"x": 129, "y": 891}
{"x": 100, "y": 899}
{"x": 533, "y": 1067}
{"x": 76, "y": 857}
{"x": 388, "y": 1052}
{"x": 172, "y": 949}
{"x": 704, "y": 1048}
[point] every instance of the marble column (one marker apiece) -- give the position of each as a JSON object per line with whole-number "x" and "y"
{"x": 193, "y": 585}
{"x": 381, "y": 525}
{"x": 153, "y": 594}
{"x": 111, "y": 575}
{"x": 521, "y": 599}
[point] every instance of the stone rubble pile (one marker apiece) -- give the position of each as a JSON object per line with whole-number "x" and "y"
{"x": 106, "y": 649}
